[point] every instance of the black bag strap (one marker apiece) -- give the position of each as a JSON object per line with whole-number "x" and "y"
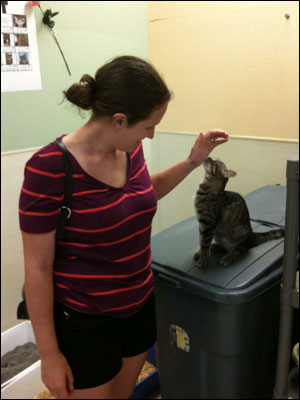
{"x": 64, "y": 215}
{"x": 65, "y": 211}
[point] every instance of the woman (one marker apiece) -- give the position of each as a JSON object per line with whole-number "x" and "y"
{"x": 91, "y": 299}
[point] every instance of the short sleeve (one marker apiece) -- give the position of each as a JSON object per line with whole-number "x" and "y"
{"x": 42, "y": 192}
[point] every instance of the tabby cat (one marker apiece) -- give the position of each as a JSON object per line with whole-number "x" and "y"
{"x": 224, "y": 217}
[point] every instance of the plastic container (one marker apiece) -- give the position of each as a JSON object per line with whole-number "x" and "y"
{"x": 218, "y": 326}
{"x": 16, "y": 336}
{"x": 25, "y": 385}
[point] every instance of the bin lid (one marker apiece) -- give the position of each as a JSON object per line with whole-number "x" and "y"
{"x": 173, "y": 250}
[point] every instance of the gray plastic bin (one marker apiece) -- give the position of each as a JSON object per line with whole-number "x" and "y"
{"x": 218, "y": 326}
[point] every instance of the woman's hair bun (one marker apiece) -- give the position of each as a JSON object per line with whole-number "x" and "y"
{"x": 88, "y": 80}
{"x": 82, "y": 94}
{"x": 126, "y": 84}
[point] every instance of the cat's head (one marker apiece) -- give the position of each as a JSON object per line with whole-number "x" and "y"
{"x": 217, "y": 168}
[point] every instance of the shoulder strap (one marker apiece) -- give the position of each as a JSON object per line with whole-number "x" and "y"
{"x": 65, "y": 211}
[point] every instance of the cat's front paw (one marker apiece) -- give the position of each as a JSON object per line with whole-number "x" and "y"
{"x": 226, "y": 260}
{"x": 202, "y": 261}
{"x": 215, "y": 247}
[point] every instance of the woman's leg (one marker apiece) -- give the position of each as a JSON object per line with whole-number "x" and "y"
{"x": 126, "y": 379}
{"x": 121, "y": 386}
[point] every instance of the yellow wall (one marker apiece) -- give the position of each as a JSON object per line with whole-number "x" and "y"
{"x": 231, "y": 64}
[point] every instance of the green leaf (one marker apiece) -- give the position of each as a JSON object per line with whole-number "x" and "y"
{"x": 47, "y": 18}
{"x": 47, "y": 14}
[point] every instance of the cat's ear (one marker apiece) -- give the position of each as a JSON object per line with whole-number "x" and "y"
{"x": 230, "y": 174}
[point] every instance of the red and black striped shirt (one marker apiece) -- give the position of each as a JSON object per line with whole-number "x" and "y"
{"x": 102, "y": 264}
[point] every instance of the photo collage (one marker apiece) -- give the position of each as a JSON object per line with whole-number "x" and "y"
{"x": 15, "y": 50}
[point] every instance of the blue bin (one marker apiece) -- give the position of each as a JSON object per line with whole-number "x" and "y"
{"x": 218, "y": 326}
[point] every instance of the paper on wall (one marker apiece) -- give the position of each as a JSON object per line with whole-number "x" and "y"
{"x": 20, "y": 68}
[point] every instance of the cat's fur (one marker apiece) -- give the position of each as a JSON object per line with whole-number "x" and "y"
{"x": 224, "y": 217}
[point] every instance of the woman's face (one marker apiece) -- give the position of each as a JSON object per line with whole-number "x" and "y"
{"x": 129, "y": 138}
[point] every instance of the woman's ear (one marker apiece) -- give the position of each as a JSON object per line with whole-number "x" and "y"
{"x": 119, "y": 120}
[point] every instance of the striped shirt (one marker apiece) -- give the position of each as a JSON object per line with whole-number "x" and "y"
{"x": 102, "y": 264}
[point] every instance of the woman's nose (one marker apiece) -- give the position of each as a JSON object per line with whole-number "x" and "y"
{"x": 151, "y": 134}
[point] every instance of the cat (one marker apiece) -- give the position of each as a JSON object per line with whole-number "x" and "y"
{"x": 21, "y": 40}
{"x": 224, "y": 217}
{"x": 19, "y": 21}
{"x": 9, "y": 58}
{"x": 23, "y": 59}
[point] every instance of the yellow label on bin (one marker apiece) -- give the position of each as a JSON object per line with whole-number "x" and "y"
{"x": 179, "y": 338}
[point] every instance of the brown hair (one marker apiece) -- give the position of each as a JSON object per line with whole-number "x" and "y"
{"x": 126, "y": 85}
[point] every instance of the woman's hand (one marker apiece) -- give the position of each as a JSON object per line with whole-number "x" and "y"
{"x": 57, "y": 375}
{"x": 205, "y": 144}
{"x": 165, "y": 181}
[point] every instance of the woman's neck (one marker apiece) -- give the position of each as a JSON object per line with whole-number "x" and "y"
{"x": 93, "y": 138}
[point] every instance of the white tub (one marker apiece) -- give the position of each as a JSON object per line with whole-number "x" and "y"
{"x": 26, "y": 385}
{"x": 16, "y": 336}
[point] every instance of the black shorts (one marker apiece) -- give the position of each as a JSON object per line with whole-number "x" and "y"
{"x": 94, "y": 344}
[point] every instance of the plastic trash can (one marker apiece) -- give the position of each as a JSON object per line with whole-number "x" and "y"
{"x": 218, "y": 326}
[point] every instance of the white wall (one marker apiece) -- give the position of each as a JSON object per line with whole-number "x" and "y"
{"x": 12, "y": 265}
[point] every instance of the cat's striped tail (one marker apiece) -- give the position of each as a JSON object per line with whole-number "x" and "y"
{"x": 261, "y": 237}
